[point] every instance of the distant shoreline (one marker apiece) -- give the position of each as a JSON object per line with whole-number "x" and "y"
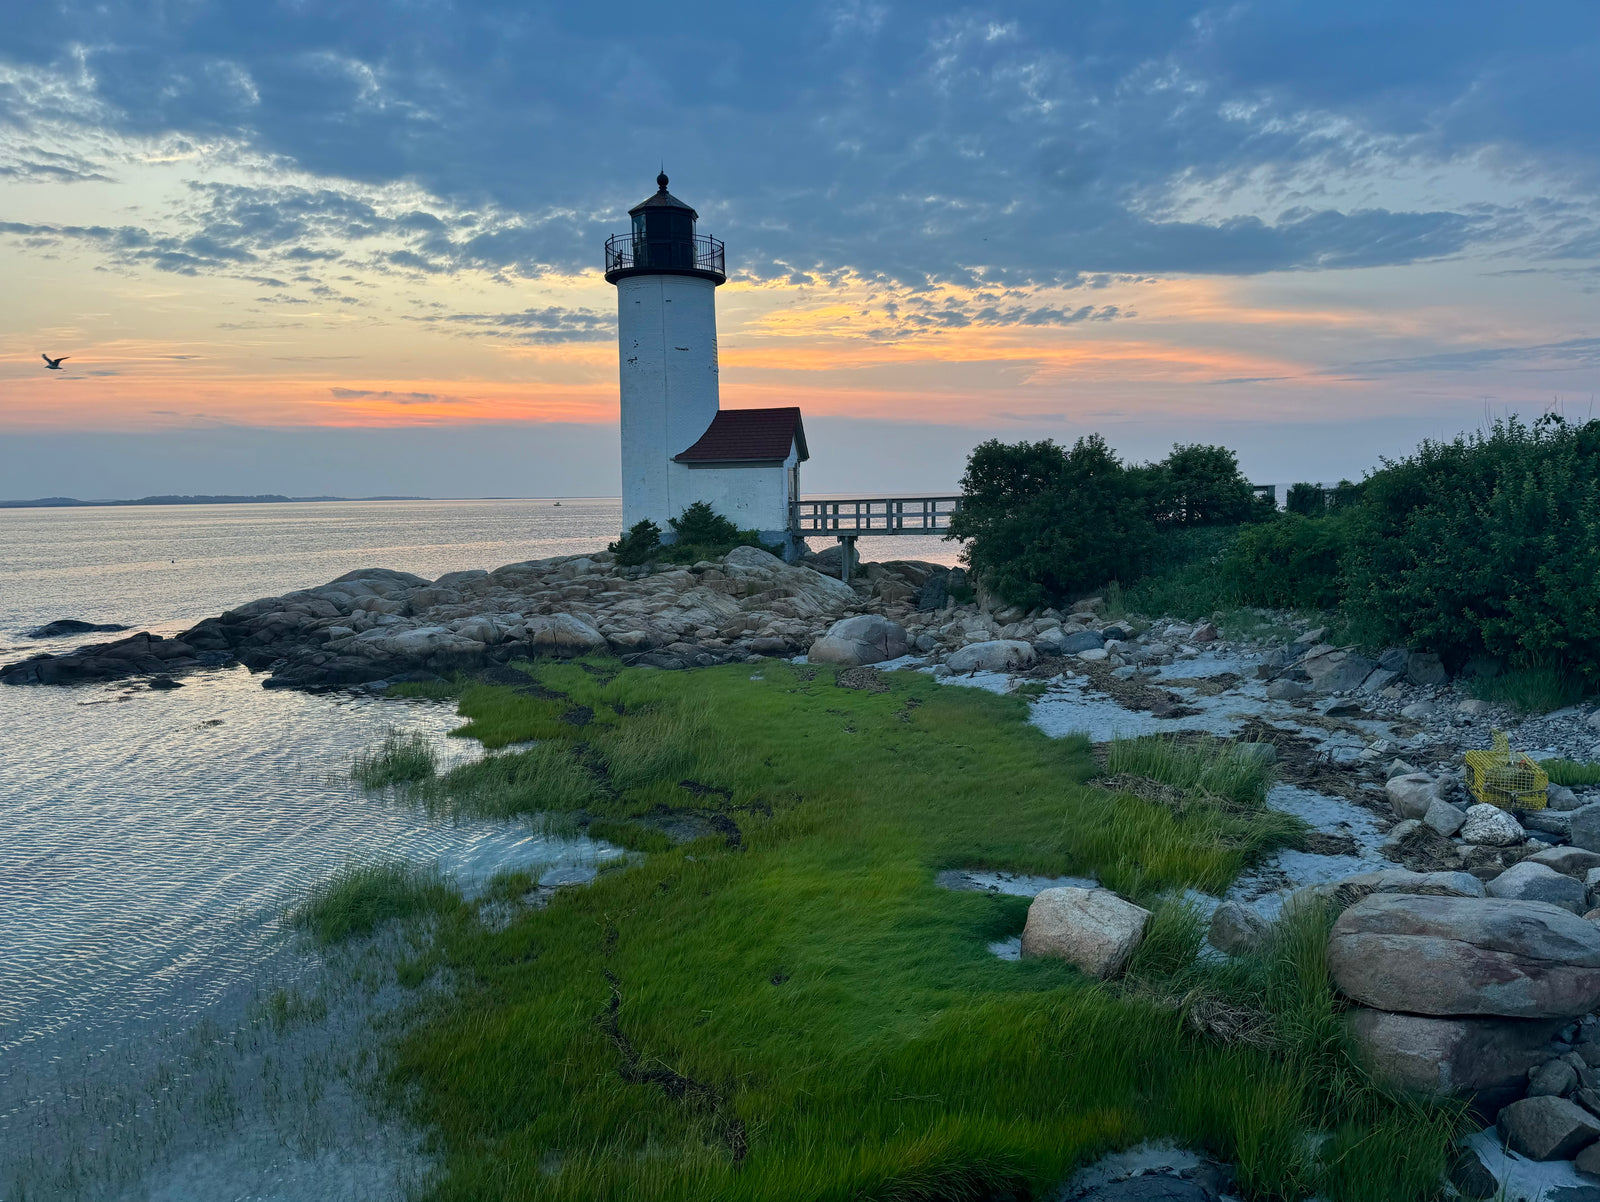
{"x": 267, "y": 499}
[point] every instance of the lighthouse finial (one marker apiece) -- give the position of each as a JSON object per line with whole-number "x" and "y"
{"x": 661, "y": 180}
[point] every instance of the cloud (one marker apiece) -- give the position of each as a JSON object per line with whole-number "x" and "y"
{"x": 935, "y": 143}
{"x": 1576, "y": 354}
{"x": 552, "y": 323}
{"x": 395, "y": 398}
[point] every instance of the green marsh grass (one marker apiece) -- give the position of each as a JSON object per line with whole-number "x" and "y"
{"x": 800, "y": 1012}
{"x": 403, "y": 758}
{"x": 1210, "y": 766}
{"x": 359, "y": 898}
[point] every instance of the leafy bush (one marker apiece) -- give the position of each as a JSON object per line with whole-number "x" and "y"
{"x": 1306, "y": 499}
{"x": 1046, "y": 523}
{"x": 639, "y": 545}
{"x": 1201, "y": 486}
{"x": 1487, "y": 545}
{"x": 700, "y": 523}
{"x": 700, "y": 533}
{"x": 1292, "y": 562}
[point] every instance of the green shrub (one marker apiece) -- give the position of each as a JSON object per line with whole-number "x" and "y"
{"x": 1186, "y": 578}
{"x": 639, "y": 545}
{"x": 699, "y": 523}
{"x": 1308, "y": 500}
{"x": 1046, "y": 523}
{"x": 1487, "y": 545}
{"x": 1291, "y": 562}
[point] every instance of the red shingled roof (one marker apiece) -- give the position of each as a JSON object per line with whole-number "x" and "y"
{"x": 749, "y": 436}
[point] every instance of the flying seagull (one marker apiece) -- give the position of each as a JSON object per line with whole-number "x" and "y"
{"x": 54, "y": 364}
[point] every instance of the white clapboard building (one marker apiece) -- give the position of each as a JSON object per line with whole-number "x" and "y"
{"x": 678, "y": 445}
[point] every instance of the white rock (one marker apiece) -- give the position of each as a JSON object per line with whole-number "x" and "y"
{"x": 1418, "y": 710}
{"x": 1490, "y": 826}
{"x": 1091, "y": 928}
{"x": 993, "y": 655}
{"x": 1093, "y": 655}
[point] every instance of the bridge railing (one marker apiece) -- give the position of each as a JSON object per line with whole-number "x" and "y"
{"x": 874, "y": 515}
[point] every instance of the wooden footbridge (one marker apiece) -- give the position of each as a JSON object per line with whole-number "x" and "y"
{"x": 853, "y": 517}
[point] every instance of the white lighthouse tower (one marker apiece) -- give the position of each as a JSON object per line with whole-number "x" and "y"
{"x": 678, "y": 446}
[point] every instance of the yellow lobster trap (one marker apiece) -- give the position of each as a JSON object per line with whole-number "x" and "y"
{"x": 1505, "y": 778}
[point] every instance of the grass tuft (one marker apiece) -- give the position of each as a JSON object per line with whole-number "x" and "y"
{"x": 359, "y": 898}
{"x": 1210, "y": 767}
{"x": 404, "y": 757}
{"x": 1571, "y": 773}
{"x": 1531, "y": 690}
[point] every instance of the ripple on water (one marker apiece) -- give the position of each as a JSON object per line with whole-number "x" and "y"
{"x": 150, "y": 851}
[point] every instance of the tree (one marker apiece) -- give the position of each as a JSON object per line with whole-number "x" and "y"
{"x": 1200, "y": 485}
{"x": 1046, "y": 523}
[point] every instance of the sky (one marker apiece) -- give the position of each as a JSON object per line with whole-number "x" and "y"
{"x": 325, "y": 247}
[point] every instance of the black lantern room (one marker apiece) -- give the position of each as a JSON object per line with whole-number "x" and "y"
{"x": 663, "y": 241}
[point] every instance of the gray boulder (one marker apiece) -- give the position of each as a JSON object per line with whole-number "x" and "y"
{"x": 1460, "y": 956}
{"x": 1337, "y": 671}
{"x": 995, "y": 655}
{"x": 1080, "y": 640}
{"x": 1552, "y": 1079}
{"x": 1411, "y": 795}
{"x": 1561, "y": 799}
{"x": 1586, "y": 827}
{"x": 1547, "y": 1128}
{"x": 1286, "y": 690}
{"x": 563, "y": 634}
{"x": 1572, "y": 861}
{"x": 865, "y": 639}
{"x": 1423, "y": 668}
{"x": 1092, "y": 928}
{"x": 1444, "y": 818}
{"x": 1344, "y": 893}
{"x": 1490, "y": 826}
{"x": 1490, "y": 1057}
{"x": 1527, "y": 881}
{"x": 1236, "y": 929}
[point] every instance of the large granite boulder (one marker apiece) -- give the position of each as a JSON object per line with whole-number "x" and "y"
{"x": 1465, "y": 956}
{"x": 563, "y": 634}
{"x": 1527, "y": 881}
{"x": 1451, "y": 1056}
{"x": 1548, "y": 1128}
{"x": 1091, "y": 928}
{"x": 864, "y": 639}
{"x": 1342, "y": 894}
{"x": 995, "y": 655}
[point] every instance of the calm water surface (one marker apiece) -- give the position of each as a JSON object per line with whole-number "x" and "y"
{"x": 150, "y": 842}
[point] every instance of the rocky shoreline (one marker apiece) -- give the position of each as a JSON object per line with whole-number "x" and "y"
{"x": 1468, "y": 936}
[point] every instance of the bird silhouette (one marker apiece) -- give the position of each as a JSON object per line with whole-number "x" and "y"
{"x": 54, "y": 364}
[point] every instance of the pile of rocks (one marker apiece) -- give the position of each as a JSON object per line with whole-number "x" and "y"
{"x": 375, "y": 624}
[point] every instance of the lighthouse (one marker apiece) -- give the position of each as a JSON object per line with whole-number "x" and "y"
{"x": 678, "y": 445}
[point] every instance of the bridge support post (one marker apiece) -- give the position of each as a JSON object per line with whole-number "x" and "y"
{"x": 847, "y": 545}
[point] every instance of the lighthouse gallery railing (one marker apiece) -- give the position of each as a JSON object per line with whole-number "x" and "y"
{"x": 624, "y": 252}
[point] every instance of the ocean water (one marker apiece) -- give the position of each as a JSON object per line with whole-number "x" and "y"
{"x": 150, "y": 843}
